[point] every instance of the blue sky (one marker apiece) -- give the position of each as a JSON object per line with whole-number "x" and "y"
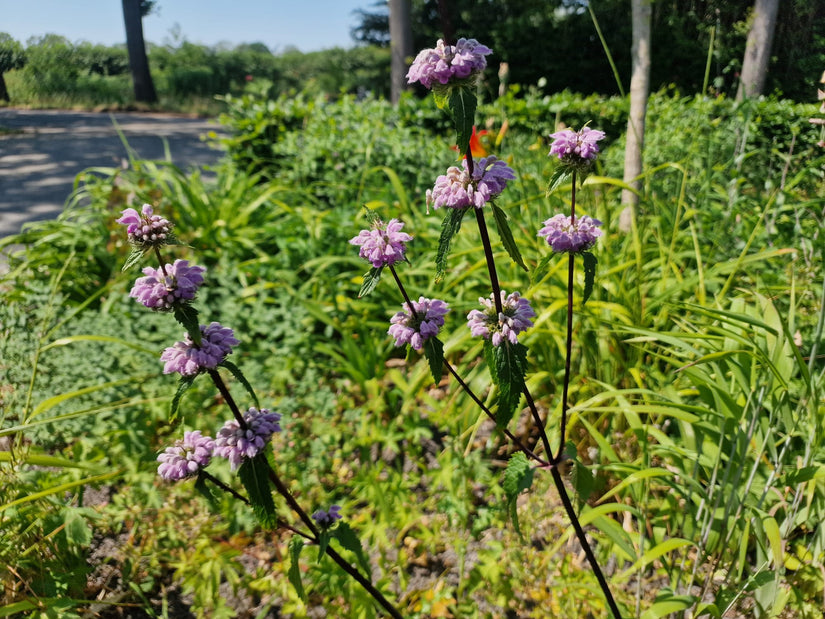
{"x": 306, "y": 24}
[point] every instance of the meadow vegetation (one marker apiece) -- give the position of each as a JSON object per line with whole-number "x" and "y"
{"x": 696, "y": 434}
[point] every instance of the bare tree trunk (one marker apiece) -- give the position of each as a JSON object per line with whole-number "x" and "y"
{"x": 136, "y": 47}
{"x": 4, "y": 92}
{"x": 639, "y": 90}
{"x": 401, "y": 46}
{"x": 758, "y": 49}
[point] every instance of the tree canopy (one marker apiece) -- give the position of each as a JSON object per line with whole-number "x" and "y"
{"x": 557, "y": 40}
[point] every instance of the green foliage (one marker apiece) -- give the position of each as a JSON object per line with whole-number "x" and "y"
{"x": 449, "y": 229}
{"x": 12, "y": 54}
{"x": 518, "y": 477}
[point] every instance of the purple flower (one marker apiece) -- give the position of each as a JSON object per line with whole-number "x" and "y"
{"x": 576, "y": 147}
{"x": 382, "y": 244}
{"x": 186, "y": 457}
{"x": 188, "y": 359}
{"x": 325, "y": 519}
{"x": 513, "y": 319}
{"x": 457, "y": 189}
{"x": 145, "y": 229}
{"x": 428, "y": 320}
{"x": 448, "y": 62}
{"x": 562, "y": 235}
{"x": 235, "y": 443}
{"x": 162, "y": 290}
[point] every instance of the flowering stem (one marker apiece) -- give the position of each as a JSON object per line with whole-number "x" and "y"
{"x": 588, "y": 551}
{"x": 513, "y": 438}
{"x": 565, "y": 405}
{"x": 404, "y": 294}
{"x": 160, "y": 261}
{"x": 342, "y": 563}
{"x": 527, "y": 451}
{"x": 223, "y": 486}
{"x": 491, "y": 268}
{"x": 216, "y": 378}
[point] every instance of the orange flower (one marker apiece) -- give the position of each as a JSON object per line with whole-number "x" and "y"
{"x": 476, "y": 147}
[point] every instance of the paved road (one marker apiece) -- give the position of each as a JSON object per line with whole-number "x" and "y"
{"x": 38, "y": 166}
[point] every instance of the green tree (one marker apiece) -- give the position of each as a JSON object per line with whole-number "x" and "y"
{"x": 12, "y": 56}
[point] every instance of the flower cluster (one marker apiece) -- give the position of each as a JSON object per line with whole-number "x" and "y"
{"x": 576, "y": 147}
{"x": 236, "y": 443}
{"x": 458, "y": 189}
{"x": 325, "y": 519}
{"x": 565, "y": 234}
{"x": 515, "y": 317}
{"x": 164, "y": 288}
{"x": 187, "y": 359}
{"x": 186, "y": 457}
{"x": 145, "y": 229}
{"x": 446, "y": 63}
{"x": 414, "y": 327}
{"x": 383, "y": 244}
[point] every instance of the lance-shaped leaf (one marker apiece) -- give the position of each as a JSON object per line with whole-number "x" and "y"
{"x": 559, "y": 177}
{"x": 507, "y": 236}
{"x": 518, "y": 477}
{"x": 371, "y": 279}
{"x": 296, "y": 545}
{"x": 449, "y": 228}
{"x": 463, "y": 104}
{"x": 541, "y": 269}
{"x": 510, "y": 370}
{"x": 184, "y": 384}
{"x": 590, "y": 262}
{"x": 254, "y": 475}
{"x": 188, "y": 317}
{"x": 348, "y": 539}
{"x": 323, "y": 543}
{"x": 434, "y": 351}
{"x": 239, "y": 376}
{"x": 134, "y": 257}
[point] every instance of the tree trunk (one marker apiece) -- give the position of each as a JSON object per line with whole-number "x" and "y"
{"x": 639, "y": 89}
{"x": 4, "y": 93}
{"x": 401, "y": 46}
{"x": 758, "y": 49}
{"x": 138, "y": 63}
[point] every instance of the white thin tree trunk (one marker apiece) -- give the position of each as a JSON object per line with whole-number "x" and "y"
{"x": 639, "y": 90}
{"x": 400, "y": 46}
{"x": 758, "y": 49}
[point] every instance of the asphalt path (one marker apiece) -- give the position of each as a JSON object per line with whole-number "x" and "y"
{"x": 47, "y": 149}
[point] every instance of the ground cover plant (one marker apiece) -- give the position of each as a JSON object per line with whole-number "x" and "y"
{"x": 693, "y": 444}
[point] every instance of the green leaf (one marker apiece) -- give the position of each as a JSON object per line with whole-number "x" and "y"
{"x": 349, "y": 540}
{"x": 590, "y": 262}
{"x": 184, "y": 384}
{"x": 583, "y": 481}
{"x": 463, "y": 104}
{"x": 517, "y": 477}
{"x": 323, "y": 543}
{"x": 236, "y": 372}
{"x": 77, "y": 530}
{"x": 434, "y": 351}
{"x": 254, "y": 474}
{"x": 507, "y": 236}
{"x": 541, "y": 269}
{"x": 510, "y": 370}
{"x": 133, "y": 258}
{"x": 296, "y": 545}
{"x": 187, "y": 316}
{"x": 559, "y": 177}
{"x": 441, "y": 96}
{"x": 206, "y": 492}
{"x": 449, "y": 228}
{"x": 371, "y": 279}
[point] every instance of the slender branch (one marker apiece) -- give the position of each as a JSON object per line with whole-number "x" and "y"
{"x": 588, "y": 551}
{"x": 513, "y": 438}
{"x": 216, "y": 378}
{"x": 404, "y": 294}
{"x": 160, "y": 261}
{"x": 342, "y": 563}
{"x": 224, "y": 487}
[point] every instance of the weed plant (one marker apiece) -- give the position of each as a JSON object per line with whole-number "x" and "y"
{"x": 696, "y": 381}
